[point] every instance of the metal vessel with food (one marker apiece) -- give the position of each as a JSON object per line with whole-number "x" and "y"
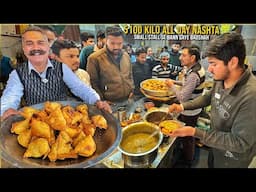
{"x": 168, "y": 126}
{"x": 156, "y": 87}
{"x": 63, "y": 134}
{"x": 157, "y": 116}
{"x": 139, "y": 144}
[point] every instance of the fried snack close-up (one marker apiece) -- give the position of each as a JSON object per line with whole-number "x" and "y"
{"x": 58, "y": 132}
{"x": 20, "y": 126}
{"x": 99, "y": 121}
{"x": 135, "y": 117}
{"x": 168, "y": 126}
{"x": 37, "y": 148}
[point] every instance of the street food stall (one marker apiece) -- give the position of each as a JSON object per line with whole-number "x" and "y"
{"x": 108, "y": 153}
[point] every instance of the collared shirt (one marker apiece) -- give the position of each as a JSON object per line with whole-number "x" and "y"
{"x": 14, "y": 89}
{"x": 190, "y": 82}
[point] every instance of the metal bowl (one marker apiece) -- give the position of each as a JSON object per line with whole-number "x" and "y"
{"x": 143, "y": 159}
{"x": 156, "y": 93}
{"x": 106, "y": 141}
{"x": 156, "y": 116}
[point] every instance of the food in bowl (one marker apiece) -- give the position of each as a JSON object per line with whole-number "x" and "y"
{"x": 156, "y": 87}
{"x": 168, "y": 126}
{"x": 57, "y": 131}
{"x": 134, "y": 117}
{"x": 154, "y": 84}
{"x": 139, "y": 143}
{"x": 157, "y": 116}
{"x": 106, "y": 141}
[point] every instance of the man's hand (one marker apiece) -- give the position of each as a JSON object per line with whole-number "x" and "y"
{"x": 176, "y": 108}
{"x": 9, "y": 112}
{"x": 183, "y": 132}
{"x": 104, "y": 105}
{"x": 169, "y": 83}
{"x": 130, "y": 95}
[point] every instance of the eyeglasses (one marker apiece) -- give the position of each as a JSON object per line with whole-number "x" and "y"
{"x": 164, "y": 59}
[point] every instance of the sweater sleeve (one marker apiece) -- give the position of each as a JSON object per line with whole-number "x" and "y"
{"x": 199, "y": 102}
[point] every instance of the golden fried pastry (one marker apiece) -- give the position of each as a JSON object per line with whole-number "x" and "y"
{"x": 52, "y": 137}
{"x": 86, "y": 147}
{"x": 24, "y": 138}
{"x": 62, "y": 148}
{"x": 58, "y": 132}
{"x": 72, "y": 132}
{"x": 79, "y": 138}
{"x": 86, "y": 119}
{"x": 100, "y": 121}
{"x": 89, "y": 129}
{"x": 40, "y": 129}
{"x": 70, "y": 155}
{"x": 53, "y": 155}
{"x": 20, "y": 126}
{"x": 28, "y": 112}
{"x": 71, "y": 115}
{"x": 51, "y": 106}
{"x": 83, "y": 108}
{"x": 64, "y": 144}
{"x": 135, "y": 117}
{"x": 40, "y": 115}
{"x": 168, "y": 126}
{"x": 56, "y": 120}
{"x": 37, "y": 148}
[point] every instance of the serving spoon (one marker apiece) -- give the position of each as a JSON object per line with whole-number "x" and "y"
{"x": 146, "y": 140}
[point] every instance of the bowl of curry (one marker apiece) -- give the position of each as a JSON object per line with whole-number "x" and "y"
{"x": 139, "y": 144}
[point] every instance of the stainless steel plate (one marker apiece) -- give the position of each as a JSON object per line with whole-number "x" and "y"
{"x": 106, "y": 141}
{"x": 156, "y": 93}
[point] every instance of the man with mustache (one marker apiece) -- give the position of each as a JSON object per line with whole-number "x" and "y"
{"x": 40, "y": 79}
{"x": 110, "y": 70}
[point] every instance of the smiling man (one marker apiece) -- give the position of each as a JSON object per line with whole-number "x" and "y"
{"x": 39, "y": 79}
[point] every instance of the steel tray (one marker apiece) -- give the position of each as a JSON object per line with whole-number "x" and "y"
{"x": 106, "y": 142}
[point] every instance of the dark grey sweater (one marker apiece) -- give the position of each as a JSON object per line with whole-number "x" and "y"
{"x": 233, "y": 122}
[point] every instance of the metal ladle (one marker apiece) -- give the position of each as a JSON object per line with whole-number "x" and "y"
{"x": 144, "y": 141}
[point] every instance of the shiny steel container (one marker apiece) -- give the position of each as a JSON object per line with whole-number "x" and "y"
{"x": 144, "y": 159}
{"x": 121, "y": 113}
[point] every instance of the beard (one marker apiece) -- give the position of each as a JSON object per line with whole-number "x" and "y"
{"x": 223, "y": 76}
{"x": 114, "y": 51}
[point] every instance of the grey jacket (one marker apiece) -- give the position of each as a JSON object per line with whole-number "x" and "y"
{"x": 233, "y": 122}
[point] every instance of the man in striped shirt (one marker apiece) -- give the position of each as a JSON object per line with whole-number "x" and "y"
{"x": 165, "y": 69}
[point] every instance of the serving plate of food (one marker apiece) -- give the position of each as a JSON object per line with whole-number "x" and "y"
{"x": 62, "y": 134}
{"x": 167, "y": 122}
{"x": 167, "y": 126}
{"x": 156, "y": 88}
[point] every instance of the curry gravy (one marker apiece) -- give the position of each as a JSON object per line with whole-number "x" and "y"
{"x": 139, "y": 143}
